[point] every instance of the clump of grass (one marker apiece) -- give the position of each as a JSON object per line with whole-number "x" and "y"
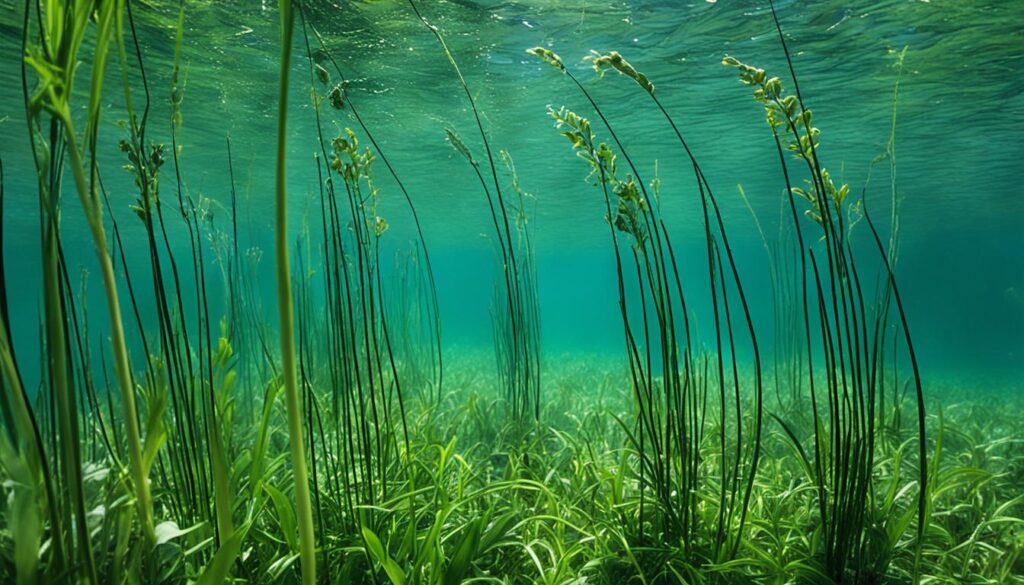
{"x": 55, "y": 61}
{"x": 521, "y": 381}
{"x": 515, "y": 313}
{"x": 410, "y": 314}
{"x": 364, "y": 371}
{"x": 516, "y": 323}
{"x": 850, "y": 340}
{"x": 196, "y": 454}
{"x": 340, "y": 98}
{"x": 672, "y": 410}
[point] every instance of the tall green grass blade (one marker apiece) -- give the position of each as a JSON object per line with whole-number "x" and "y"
{"x": 304, "y": 509}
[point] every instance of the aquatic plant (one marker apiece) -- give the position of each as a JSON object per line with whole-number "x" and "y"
{"x": 55, "y": 62}
{"x": 516, "y": 330}
{"x": 360, "y": 345}
{"x": 844, "y": 449}
{"x": 367, "y": 450}
{"x": 411, "y": 320}
{"x": 340, "y": 99}
{"x": 521, "y": 381}
{"x": 187, "y": 372}
{"x": 885, "y": 295}
{"x": 671, "y": 427}
{"x": 615, "y": 61}
{"x": 788, "y": 349}
{"x": 514, "y": 311}
{"x": 304, "y": 510}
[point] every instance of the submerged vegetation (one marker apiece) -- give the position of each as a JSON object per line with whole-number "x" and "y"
{"x": 342, "y": 447}
{"x": 515, "y": 311}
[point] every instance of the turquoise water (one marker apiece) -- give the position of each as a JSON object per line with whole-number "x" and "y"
{"x": 633, "y": 391}
{"x": 959, "y": 119}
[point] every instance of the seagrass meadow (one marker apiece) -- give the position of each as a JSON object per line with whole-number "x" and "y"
{"x": 434, "y": 292}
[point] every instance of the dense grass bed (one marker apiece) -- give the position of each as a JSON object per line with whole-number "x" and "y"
{"x": 484, "y": 501}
